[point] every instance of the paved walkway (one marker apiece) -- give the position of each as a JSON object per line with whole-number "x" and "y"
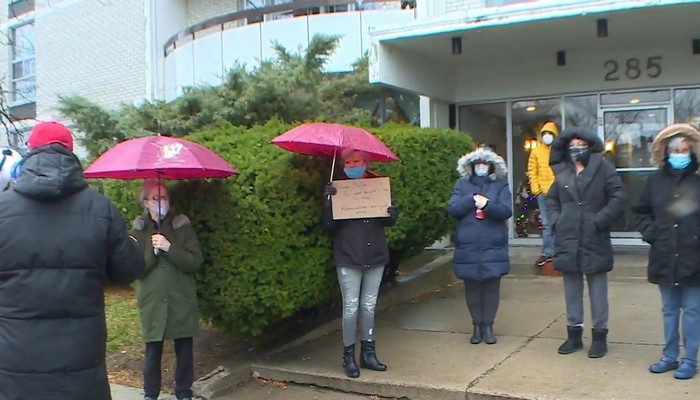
{"x": 426, "y": 347}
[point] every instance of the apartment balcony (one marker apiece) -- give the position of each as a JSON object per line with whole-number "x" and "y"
{"x": 203, "y": 53}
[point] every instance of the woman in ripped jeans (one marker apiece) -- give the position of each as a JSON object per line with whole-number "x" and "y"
{"x": 360, "y": 253}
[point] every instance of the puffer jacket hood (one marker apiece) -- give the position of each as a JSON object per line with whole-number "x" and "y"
{"x": 50, "y": 173}
{"x": 560, "y": 147}
{"x": 485, "y": 154}
{"x": 658, "y": 152}
{"x": 549, "y": 126}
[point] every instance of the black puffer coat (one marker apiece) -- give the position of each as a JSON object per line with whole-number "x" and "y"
{"x": 582, "y": 208}
{"x": 61, "y": 242}
{"x": 669, "y": 214}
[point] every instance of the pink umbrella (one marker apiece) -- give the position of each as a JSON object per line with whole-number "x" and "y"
{"x": 326, "y": 140}
{"x": 155, "y": 157}
{"x": 159, "y": 157}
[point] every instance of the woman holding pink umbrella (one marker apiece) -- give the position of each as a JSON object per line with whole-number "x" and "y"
{"x": 360, "y": 252}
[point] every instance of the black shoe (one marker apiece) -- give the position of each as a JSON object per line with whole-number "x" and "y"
{"x": 487, "y": 332}
{"x": 543, "y": 260}
{"x": 599, "y": 346}
{"x": 349, "y": 363}
{"x": 574, "y": 341}
{"x": 368, "y": 356}
{"x": 476, "y": 336}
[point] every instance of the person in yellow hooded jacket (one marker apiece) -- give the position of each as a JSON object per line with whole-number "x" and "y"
{"x": 541, "y": 179}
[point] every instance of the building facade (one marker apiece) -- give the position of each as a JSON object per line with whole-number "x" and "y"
{"x": 500, "y": 69}
{"x": 127, "y": 51}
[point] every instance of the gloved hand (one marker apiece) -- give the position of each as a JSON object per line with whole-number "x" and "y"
{"x": 480, "y": 201}
{"x": 330, "y": 189}
{"x": 393, "y": 211}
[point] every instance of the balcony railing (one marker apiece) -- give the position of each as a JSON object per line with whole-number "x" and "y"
{"x": 297, "y": 8}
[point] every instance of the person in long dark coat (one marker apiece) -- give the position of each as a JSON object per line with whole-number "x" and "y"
{"x": 585, "y": 200}
{"x": 669, "y": 220}
{"x": 481, "y": 203}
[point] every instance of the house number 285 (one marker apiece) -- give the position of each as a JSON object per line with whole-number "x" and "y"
{"x": 632, "y": 68}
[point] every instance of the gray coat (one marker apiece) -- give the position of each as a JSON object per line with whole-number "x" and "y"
{"x": 582, "y": 208}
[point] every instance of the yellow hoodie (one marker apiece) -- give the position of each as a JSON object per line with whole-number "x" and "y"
{"x": 538, "y": 169}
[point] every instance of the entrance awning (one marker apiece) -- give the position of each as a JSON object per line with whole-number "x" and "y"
{"x": 517, "y": 46}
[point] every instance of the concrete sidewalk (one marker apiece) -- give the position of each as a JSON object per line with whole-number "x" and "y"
{"x": 426, "y": 345}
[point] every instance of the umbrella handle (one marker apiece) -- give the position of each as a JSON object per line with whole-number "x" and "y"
{"x": 335, "y": 151}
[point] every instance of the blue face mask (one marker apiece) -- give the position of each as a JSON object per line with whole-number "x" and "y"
{"x": 355, "y": 172}
{"x": 679, "y": 161}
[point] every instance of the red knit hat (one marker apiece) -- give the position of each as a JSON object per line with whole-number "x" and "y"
{"x": 46, "y": 133}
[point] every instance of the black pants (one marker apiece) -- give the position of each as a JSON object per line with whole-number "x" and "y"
{"x": 483, "y": 299}
{"x": 184, "y": 370}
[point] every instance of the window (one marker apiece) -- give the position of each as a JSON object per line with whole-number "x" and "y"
{"x": 23, "y": 64}
{"x": 686, "y": 106}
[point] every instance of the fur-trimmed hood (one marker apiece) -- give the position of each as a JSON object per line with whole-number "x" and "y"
{"x": 658, "y": 152}
{"x": 485, "y": 154}
{"x": 560, "y": 146}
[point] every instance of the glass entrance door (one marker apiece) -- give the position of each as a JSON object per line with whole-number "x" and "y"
{"x": 628, "y": 135}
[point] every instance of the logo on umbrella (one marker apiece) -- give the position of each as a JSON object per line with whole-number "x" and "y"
{"x": 170, "y": 150}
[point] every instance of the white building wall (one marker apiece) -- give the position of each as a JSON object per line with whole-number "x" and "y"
{"x": 95, "y": 49}
{"x": 202, "y": 10}
{"x": 461, "y": 5}
{"x": 4, "y": 44}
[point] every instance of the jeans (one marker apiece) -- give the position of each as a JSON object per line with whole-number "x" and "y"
{"x": 681, "y": 303}
{"x": 597, "y": 292}
{"x": 184, "y": 370}
{"x": 547, "y": 234}
{"x": 357, "y": 284}
{"x": 483, "y": 299}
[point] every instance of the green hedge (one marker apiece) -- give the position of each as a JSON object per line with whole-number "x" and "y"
{"x": 266, "y": 254}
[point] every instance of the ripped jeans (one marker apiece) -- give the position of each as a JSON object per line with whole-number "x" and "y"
{"x": 360, "y": 288}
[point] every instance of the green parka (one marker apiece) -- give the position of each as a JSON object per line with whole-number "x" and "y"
{"x": 167, "y": 294}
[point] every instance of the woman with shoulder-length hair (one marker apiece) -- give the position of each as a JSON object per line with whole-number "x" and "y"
{"x": 669, "y": 220}
{"x": 481, "y": 203}
{"x": 360, "y": 253}
{"x": 166, "y": 292}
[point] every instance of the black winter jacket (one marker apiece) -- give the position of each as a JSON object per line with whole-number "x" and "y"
{"x": 669, "y": 220}
{"x": 357, "y": 242}
{"x": 582, "y": 208}
{"x": 61, "y": 242}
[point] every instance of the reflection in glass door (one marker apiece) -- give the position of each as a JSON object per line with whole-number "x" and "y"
{"x": 628, "y": 136}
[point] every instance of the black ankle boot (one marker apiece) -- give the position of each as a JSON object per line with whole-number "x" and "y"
{"x": 349, "y": 363}
{"x": 476, "y": 336}
{"x": 368, "y": 357}
{"x": 573, "y": 342}
{"x": 599, "y": 347}
{"x": 487, "y": 332}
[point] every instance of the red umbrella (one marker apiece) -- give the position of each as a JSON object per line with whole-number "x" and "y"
{"x": 326, "y": 140}
{"x": 158, "y": 157}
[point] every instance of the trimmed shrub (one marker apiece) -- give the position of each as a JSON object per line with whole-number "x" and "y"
{"x": 266, "y": 255}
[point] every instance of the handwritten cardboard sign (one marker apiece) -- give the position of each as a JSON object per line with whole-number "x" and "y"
{"x": 361, "y": 198}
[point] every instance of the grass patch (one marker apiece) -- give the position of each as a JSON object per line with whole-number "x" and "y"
{"x": 123, "y": 326}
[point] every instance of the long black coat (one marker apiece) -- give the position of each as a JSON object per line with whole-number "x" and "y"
{"x": 582, "y": 208}
{"x": 61, "y": 243}
{"x": 669, "y": 220}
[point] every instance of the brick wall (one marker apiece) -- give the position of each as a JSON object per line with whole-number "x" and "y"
{"x": 201, "y": 10}
{"x": 462, "y": 5}
{"x": 95, "y": 49}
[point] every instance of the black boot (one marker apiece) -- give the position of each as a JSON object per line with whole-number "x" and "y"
{"x": 487, "y": 332}
{"x": 574, "y": 342}
{"x": 599, "y": 347}
{"x": 368, "y": 356}
{"x": 349, "y": 363}
{"x": 476, "y": 336}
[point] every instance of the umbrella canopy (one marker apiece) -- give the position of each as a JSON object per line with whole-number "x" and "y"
{"x": 327, "y": 140}
{"x": 159, "y": 157}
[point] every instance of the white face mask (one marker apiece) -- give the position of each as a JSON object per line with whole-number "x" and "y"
{"x": 481, "y": 169}
{"x": 164, "y": 208}
{"x": 547, "y": 138}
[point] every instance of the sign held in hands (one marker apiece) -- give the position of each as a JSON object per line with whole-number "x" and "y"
{"x": 362, "y": 198}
